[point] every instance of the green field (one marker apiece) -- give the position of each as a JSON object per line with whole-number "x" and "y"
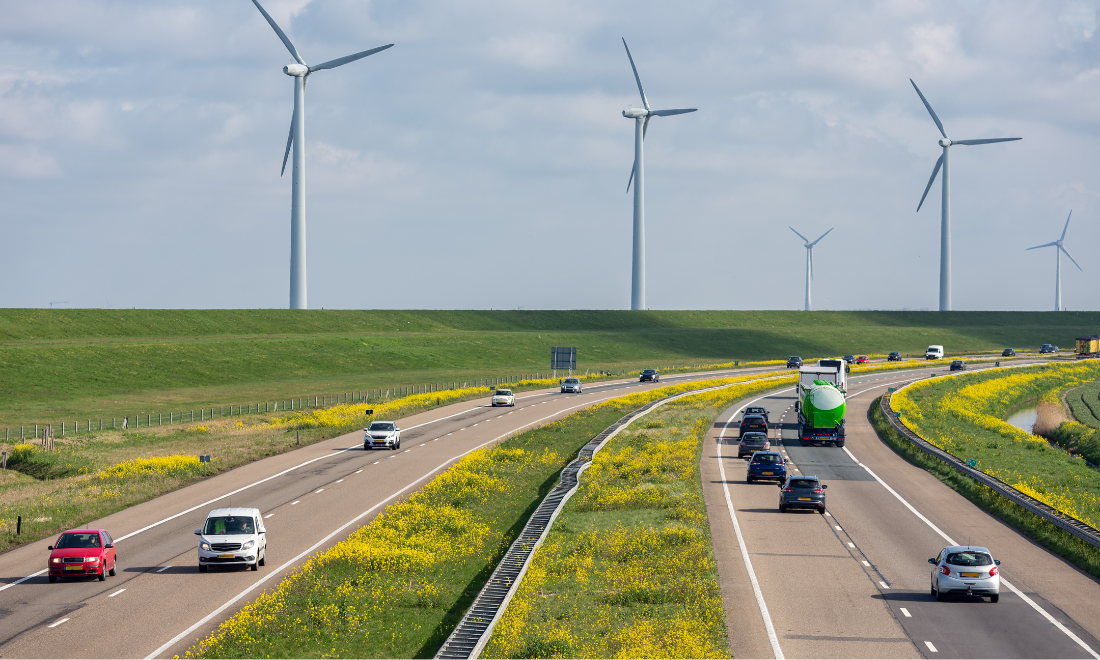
{"x": 64, "y": 365}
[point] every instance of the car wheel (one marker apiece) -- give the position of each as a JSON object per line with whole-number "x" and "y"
{"x": 782, "y": 508}
{"x": 748, "y": 479}
{"x": 931, "y": 589}
{"x": 202, "y": 568}
{"x": 255, "y": 566}
{"x": 398, "y": 444}
{"x": 821, "y": 510}
{"x": 53, "y": 578}
{"x": 113, "y": 567}
{"x": 365, "y": 446}
{"x": 939, "y": 595}
{"x": 263, "y": 558}
{"x": 103, "y": 573}
{"x": 840, "y": 443}
{"x": 994, "y": 598}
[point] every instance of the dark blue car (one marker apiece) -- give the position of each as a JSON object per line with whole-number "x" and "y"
{"x": 766, "y": 465}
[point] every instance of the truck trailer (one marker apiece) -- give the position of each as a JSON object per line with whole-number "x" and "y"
{"x": 1088, "y": 347}
{"x": 821, "y": 406}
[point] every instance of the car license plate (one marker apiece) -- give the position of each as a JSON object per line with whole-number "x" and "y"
{"x": 768, "y": 474}
{"x": 803, "y": 499}
{"x": 969, "y": 574}
{"x": 74, "y": 568}
{"x": 227, "y": 556}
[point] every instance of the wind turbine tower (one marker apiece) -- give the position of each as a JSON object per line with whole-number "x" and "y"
{"x": 945, "y": 212}
{"x": 301, "y": 71}
{"x": 641, "y": 118}
{"x": 1059, "y": 249}
{"x": 809, "y": 260}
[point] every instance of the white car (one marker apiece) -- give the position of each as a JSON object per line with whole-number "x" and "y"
{"x": 571, "y": 385}
{"x": 966, "y": 571}
{"x": 504, "y": 398}
{"x": 232, "y": 537}
{"x": 382, "y": 434}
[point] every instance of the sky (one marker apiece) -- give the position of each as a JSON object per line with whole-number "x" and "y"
{"x": 482, "y": 161}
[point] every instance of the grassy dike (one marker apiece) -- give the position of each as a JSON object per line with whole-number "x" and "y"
{"x": 69, "y": 365}
{"x": 399, "y": 585}
{"x": 628, "y": 569}
{"x": 1062, "y": 543}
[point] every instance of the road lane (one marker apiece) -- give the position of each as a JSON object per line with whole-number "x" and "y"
{"x": 868, "y": 583}
{"x": 308, "y": 493}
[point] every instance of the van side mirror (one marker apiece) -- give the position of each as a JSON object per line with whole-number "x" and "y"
{"x": 198, "y": 531}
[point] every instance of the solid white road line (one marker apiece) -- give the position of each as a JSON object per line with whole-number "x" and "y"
{"x": 58, "y": 623}
{"x": 24, "y": 579}
{"x": 1035, "y": 606}
{"x": 119, "y": 591}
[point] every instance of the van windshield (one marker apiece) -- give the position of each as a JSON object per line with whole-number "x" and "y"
{"x": 229, "y": 525}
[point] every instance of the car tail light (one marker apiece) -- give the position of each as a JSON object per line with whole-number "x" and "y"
{"x": 945, "y": 570}
{"x": 819, "y": 490}
{"x": 992, "y": 571}
{"x": 788, "y": 490}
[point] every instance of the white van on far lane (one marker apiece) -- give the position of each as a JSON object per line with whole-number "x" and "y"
{"x": 232, "y": 537}
{"x": 934, "y": 352}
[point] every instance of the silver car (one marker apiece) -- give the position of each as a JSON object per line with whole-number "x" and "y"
{"x": 382, "y": 434}
{"x": 752, "y": 441}
{"x": 503, "y": 398}
{"x": 966, "y": 570}
{"x": 571, "y": 385}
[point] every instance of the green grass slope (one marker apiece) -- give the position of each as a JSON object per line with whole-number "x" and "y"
{"x": 75, "y": 364}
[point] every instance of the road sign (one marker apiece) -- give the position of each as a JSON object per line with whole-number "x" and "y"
{"x": 563, "y": 357}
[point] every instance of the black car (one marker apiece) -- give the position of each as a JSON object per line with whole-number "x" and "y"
{"x": 650, "y": 375}
{"x": 849, "y": 359}
{"x": 1048, "y": 348}
{"x": 753, "y": 423}
{"x": 757, "y": 410}
{"x": 894, "y": 356}
{"x": 802, "y": 492}
{"x": 957, "y": 365}
{"x": 1008, "y": 352}
{"x": 794, "y": 362}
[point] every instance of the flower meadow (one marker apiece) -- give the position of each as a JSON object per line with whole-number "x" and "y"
{"x": 964, "y": 416}
{"x": 398, "y": 585}
{"x": 628, "y": 571}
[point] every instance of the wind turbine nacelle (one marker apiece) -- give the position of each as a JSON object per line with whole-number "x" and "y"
{"x": 295, "y": 70}
{"x": 945, "y": 143}
{"x": 635, "y": 113}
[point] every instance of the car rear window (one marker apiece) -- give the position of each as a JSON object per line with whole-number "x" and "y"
{"x": 79, "y": 540}
{"x": 803, "y": 483}
{"x": 969, "y": 558}
{"x": 229, "y": 525}
{"x": 767, "y": 458}
{"x": 754, "y": 437}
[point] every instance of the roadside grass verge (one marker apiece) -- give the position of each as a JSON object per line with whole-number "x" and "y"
{"x": 627, "y": 570}
{"x": 1079, "y": 553}
{"x": 398, "y": 585}
{"x": 964, "y": 415}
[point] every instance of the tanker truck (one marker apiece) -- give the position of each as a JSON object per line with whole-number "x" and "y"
{"x": 820, "y": 407}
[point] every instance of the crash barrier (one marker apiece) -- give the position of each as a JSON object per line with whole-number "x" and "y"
{"x": 476, "y": 627}
{"x": 1055, "y": 517}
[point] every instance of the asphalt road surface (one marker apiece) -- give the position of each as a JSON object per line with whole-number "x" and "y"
{"x": 159, "y": 604}
{"x": 855, "y": 582}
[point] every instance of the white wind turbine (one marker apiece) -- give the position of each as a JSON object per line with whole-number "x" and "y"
{"x": 637, "y": 271}
{"x": 809, "y": 260}
{"x": 945, "y": 213}
{"x": 300, "y": 71}
{"x": 1060, "y": 248}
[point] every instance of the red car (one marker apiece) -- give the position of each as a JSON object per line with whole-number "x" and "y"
{"x": 863, "y": 359}
{"x": 82, "y": 552}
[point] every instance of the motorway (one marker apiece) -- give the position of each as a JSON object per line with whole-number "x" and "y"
{"x": 855, "y": 582}
{"x": 159, "y": 604}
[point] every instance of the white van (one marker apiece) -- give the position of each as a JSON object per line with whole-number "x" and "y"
{"x": 232, "y": 537}
{"x": 934, "y": 352}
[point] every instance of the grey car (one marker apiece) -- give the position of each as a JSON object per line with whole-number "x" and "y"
{"x": 752, "y": 441}
{"x": 802, "y": 492}
{"x": 571, "y": 386}
{"x": 966, "y": 571}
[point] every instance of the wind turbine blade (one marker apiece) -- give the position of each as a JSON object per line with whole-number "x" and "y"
{"x": 1066, "y": 227}
{"x": 282, "y": 35}
{"x": 332, "y": 64}
{"x": 822, "y": 236}
{"x": 799, "y": 235}
{"x": 1054, "y": 244}
{"x": 986, "y": 141}
{"x": 645, "y": 126}
{"x": 935, "y": 171}
{"x": 1066, "y": 252}
{"x": 669, "y": 113}
{"x": 635, "y": 69}
{"x": 631, "y": 177}
{"x": 289, "y": 140}
{"x": 930, "y": 110}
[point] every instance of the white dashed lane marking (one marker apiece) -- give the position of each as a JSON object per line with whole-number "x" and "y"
{"x": 163, "y": 569}
{"x": 906, "y": 613}
{"x": 117, "y": 592}
{"x": 931, "y": 647}
{"x": 58, "y": 623}
{"x": 295, "y": 502}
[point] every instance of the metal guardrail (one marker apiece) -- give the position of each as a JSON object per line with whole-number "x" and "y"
{"x": 1055, "y": 517}
{"x": 473, "y": 631}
